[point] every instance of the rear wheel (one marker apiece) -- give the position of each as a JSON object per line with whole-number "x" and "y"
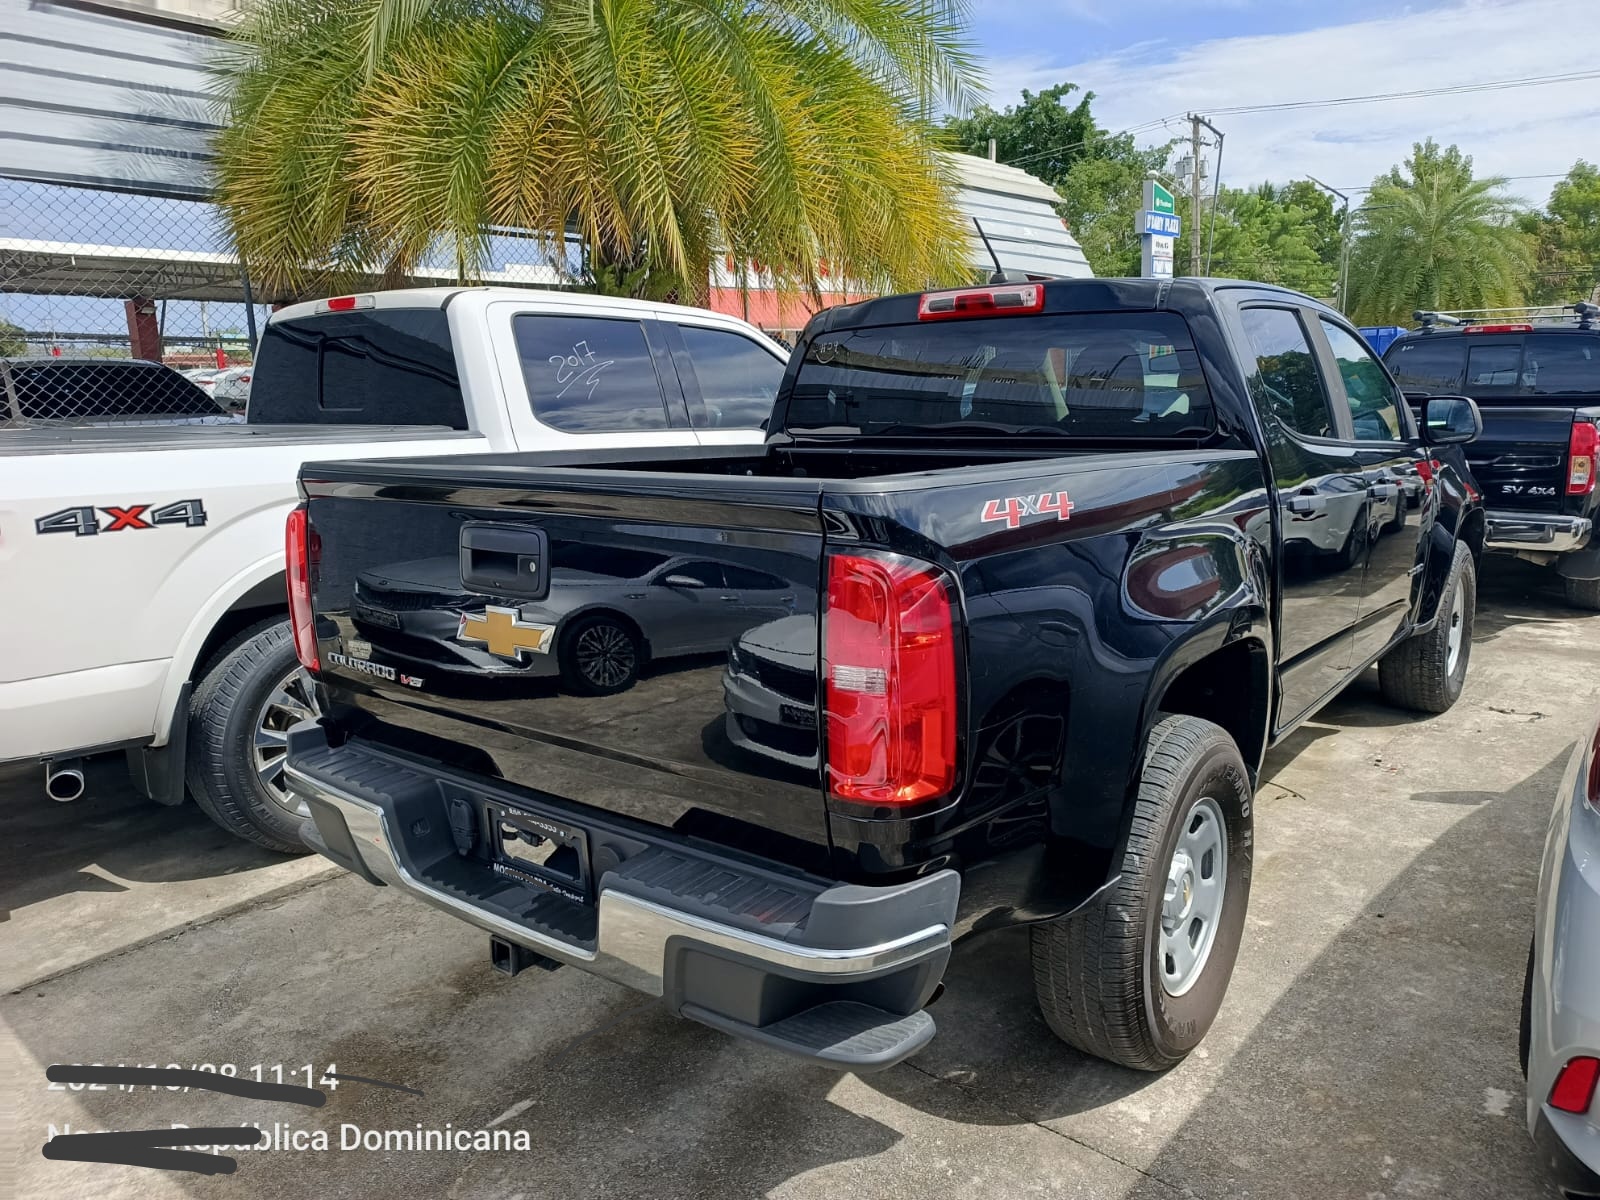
{"x": 1138, "y": 978}
{"x": 238, "y": 737}
{"x": 1583, "y": 593}
{"x": 600, "y": 656}
{"x": 1427, "y": 671}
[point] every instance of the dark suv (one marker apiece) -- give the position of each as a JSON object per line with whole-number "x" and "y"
{"x": 1537, "y": 384}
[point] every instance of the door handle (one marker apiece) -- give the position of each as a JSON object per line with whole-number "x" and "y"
{"x": 1384, "y": 491}
{"x": 729, "y": 599}
{"x": 505, "y": 560}
{"x": 1307, "y": 504}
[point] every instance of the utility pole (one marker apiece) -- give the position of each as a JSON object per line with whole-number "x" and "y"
{"x": 1343, "y": 280}
{"x": 1195, "y": 122}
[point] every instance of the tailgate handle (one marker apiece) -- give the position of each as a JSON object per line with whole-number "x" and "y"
{"x": 505, "y": 560}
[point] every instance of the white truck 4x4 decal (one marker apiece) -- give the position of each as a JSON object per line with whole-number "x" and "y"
{"x": 84, "y": 521}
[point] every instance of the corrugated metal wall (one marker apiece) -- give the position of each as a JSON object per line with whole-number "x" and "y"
{"x": 89, "y": 97}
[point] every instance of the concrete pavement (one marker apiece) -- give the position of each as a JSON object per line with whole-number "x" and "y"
{"x": 1367, "y": 1048}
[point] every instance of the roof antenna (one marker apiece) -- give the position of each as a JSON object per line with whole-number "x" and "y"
{"x": 1001, "y": 275}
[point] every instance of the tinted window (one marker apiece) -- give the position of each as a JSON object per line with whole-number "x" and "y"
{"x": 589, "y": 374}
{"x": 1286, "y": 383}
{"x": 1100, "y": 375}
{"x": 751, "y": 581}
{"x": 738, "y": 378}
{"x": 1428, "y": 364}
{"x": 1493, "y": 369}
{"x": 1374, "y": 415}
{"x": 57, "y": 391}
{"x": 390, "y": 366}
{"x": 618, "y": 562}
{"x": 1561, "y": 364}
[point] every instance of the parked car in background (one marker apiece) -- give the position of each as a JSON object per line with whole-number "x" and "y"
{"x": 55, "y": 392}
{"x": 1537, "y": 384}
{"x": 180, "y": 530}
{"x": 1052, "y": 576}
{"x": 231, "y": 387}
{"x": 1561, "y": 997}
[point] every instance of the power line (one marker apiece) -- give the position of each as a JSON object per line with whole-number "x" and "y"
{"x": 1495, "y": 85}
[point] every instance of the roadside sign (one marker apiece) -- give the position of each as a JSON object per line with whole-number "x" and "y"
{"x": 1157, "y": 225}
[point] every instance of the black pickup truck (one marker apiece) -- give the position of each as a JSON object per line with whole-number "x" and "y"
{"x": 1538, "y": 385}
{"x": 996, "y": 630}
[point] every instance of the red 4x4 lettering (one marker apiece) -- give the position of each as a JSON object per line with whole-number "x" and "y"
{"x": 1012, "y": 509}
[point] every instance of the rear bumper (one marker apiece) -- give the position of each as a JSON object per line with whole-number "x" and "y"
{"x": 1551, "y": 533}
{"x": 838, "y": 974}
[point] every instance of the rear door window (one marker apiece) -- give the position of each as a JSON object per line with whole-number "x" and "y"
{"x": 1374, "y": 406}
{"x": 589, "y": 374}
{"x": 1086, "y": 375}
{"x": 737, "y": 377}
{"x": 1561, "y": 365}
{"x": 384, "y": 366}
{"x": 1286, "y": 383}
{"x": 1428, "y": 364}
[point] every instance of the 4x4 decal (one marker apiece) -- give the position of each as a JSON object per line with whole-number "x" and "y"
{"x": 1012, "y": 509}
{"x": 84, "y": 520}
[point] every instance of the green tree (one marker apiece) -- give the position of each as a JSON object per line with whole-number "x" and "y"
{"x": 1042, "y": 135}
{"x": 12, "y": 343}
{"x": 1432, "y": 236}
{"x": 1286, "y": 234}
{"x": 1567, "y": 239}
{"x": 1101, "y": 197}
{"x": 661, "y": 131}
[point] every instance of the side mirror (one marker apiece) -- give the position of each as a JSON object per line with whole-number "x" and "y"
{"x": 1450, "y": 420}
{"x": 682, "y": 581}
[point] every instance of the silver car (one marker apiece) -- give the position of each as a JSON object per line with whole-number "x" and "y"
{"x": 1561, "y": 997}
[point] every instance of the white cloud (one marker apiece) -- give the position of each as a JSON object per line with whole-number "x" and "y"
{"x": 1526, "y": 131}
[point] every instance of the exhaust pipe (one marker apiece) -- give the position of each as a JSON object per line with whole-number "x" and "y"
{"x": 64, "y": 780}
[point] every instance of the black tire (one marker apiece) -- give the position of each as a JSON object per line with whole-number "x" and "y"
{"x": 1417, "y": 674}
{"x": 1583, "y": 593}
{"x": 600, "y": 656}
{"x": 1098, "y": 975}
{"x": 228, "y": 707}
{"x": 1525, "y": 1027}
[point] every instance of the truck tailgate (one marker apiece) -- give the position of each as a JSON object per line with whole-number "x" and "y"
{"x": 1520, "y": 461}
{"x": 605, "y": 636}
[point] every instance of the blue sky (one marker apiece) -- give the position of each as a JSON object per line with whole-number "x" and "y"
{"x": 1146, "y": 61}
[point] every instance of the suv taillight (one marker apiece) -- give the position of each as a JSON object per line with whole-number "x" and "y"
{"x": 301, "y": 550}
{"x": 889, "y": 668}
{"x": 1581, "y": 453}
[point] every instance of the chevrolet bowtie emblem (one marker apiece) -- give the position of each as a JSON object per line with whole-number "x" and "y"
{"x": 505, "y": 633}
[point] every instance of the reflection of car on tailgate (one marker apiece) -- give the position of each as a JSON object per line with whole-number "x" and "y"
{"x": 608, "y": 611}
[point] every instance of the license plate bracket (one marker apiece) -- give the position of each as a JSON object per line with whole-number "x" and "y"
{"x": 550, "y": 855}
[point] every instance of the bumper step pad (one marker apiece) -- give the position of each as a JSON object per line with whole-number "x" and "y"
{"x": 842, "y": 1033}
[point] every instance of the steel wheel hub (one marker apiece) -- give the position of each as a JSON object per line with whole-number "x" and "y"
{"x": 1191, "y": 902}
{"x": 1457, "y": 630}
{"x": 292, "y": 701}
{"x": 605, "y": 655}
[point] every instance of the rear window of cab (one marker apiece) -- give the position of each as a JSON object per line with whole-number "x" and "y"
{"x": 1083, "y": 375}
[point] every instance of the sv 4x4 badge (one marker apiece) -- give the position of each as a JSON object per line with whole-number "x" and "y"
{"x": 84, "y": 520}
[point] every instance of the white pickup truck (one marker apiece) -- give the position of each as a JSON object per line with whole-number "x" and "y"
{"x": 143, "y": 605}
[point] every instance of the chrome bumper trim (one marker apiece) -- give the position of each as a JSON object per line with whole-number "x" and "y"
{"x": 1534, "y": 531}
{"x": 633, "y": 934}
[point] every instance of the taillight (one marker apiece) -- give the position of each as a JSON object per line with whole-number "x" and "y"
{"x": 982, "y": 302}
{"x": 1573, "y": 1090}
{"x": 346, "y": 303}
{"x": 1498, "y": 329}
{"x": 301, "y": 549}
{"x": 889, "y": 663}
{"x": 1581, "y": 453}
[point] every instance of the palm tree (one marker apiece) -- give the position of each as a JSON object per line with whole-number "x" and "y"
{"x": 1433, "y": 237}
{"x": 793, "y": 133}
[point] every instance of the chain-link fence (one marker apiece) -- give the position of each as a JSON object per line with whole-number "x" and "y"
{"x": 120, "y": 307}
